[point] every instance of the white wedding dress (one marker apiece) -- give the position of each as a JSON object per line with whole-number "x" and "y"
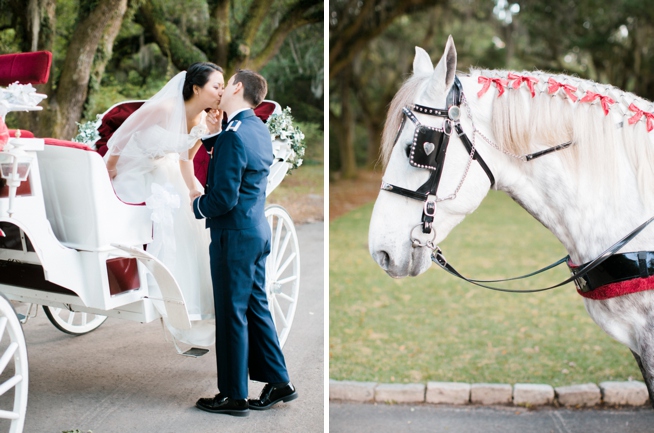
{"x": 148, "y": 170}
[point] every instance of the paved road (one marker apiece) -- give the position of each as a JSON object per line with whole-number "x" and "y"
{"x": 383, "y": 418}
{"x": 124, "y": 377}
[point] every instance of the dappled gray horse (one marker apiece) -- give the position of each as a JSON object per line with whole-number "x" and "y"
{"x": 577, "y": 155}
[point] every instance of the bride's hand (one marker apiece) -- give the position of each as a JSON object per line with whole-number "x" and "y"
{"x": 112, "y": 172}
{"x": 193, "y": 194}
{"x": 214, "y": 121}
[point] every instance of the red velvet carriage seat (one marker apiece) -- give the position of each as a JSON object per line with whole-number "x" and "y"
{"x": 26, "y": 68}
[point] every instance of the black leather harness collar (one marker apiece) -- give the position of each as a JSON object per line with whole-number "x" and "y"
{"x": 617, "y": 268}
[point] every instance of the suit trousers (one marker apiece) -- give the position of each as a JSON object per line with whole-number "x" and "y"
{"x": 246, "y": 338}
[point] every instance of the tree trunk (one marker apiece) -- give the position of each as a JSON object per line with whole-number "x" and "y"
{"x": 105, "y": 49}
{"x": 72, "y": 88}
{"x": 221, "y": 32}
{"x": 346, "y": 139}
{"x": 42, "y": 19}
{"x": 173, "y": 43}
{"x": 375, "y": 128}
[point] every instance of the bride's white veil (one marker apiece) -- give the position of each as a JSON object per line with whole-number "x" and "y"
{"x": 161, "y": 118}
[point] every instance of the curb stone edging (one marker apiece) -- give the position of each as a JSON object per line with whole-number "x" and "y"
{"x": 628, "y": 393}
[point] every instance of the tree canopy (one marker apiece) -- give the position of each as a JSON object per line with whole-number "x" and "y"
{"x": 112, "y": 50}
{"x": 579, "y": 37}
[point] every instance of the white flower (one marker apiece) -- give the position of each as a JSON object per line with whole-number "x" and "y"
{"x": 281, "y": 125}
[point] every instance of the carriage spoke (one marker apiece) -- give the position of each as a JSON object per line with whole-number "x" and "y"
{"x": 284, "y": 296}
{"x": 282, "y": 249}
{"x": 287, "y": 280}
{"x": 71, "y": 317}
{"x": 5, "y": 414}
{"x": 7, "y": 385}
{"x": 6, "y": 357}
{"x": 3, "y": 326}
{"x": 283, "y": 267}
{"x": 84, "y": 319}
{"x": 278, "y": 235}
{"x": 279, "y": 312}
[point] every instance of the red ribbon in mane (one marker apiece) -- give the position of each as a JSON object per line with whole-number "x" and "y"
{"x": 604, "y": 100}
{"x": 519, "y": 79}
{"x": 639, "y": 113}
{"x": 567, "y": 88}
{"x": 500, "y": 83}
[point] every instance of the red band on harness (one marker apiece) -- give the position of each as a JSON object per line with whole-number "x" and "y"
{"x": 620, "y": 289}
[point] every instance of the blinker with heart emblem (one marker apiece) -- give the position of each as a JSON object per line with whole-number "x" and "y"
{"x": 429, "y": 147}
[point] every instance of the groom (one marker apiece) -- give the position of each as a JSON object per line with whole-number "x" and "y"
{"x": 233, "y": 205}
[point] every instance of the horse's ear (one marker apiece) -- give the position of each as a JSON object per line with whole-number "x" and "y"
{"x": 445, "y": 70}
{"x": 422, "y": 62}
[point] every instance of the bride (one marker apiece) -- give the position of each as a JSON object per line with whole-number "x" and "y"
{"x": 150, "y": 159}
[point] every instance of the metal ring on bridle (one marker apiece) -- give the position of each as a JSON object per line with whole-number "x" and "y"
{"x": 415, "y": 242}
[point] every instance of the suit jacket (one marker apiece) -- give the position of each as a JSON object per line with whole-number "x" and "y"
{"x": 238, "y": 175}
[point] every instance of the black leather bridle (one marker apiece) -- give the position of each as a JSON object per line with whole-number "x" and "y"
{"x": 428, "y": 151}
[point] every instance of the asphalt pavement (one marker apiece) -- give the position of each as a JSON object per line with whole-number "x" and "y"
{"x": 383, "y": 418}
{"x": 125, "y": 377}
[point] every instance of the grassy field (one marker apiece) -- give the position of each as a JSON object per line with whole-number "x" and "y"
{"x": 437, "y": 328}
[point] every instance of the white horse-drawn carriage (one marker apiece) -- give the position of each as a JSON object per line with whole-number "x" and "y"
{"x": 68, "y": 243}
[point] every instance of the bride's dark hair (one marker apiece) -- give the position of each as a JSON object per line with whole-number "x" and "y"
{"x": 197, "y": 75}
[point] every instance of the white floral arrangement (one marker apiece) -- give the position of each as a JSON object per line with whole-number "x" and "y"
{"x": 281, "y": 127}
{"x": 87, "y": 132}
{"x": 19, "y": 97}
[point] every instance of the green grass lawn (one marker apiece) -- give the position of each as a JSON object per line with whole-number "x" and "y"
{"x": 437, "y": 328}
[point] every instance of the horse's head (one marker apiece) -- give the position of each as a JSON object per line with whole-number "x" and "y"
{"x": 425, "y": 156}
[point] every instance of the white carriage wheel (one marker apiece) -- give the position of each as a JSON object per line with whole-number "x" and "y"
{"x": 14, "y": 376}
{"x": 282, "y": 270}
{"x": 73, "y": 322}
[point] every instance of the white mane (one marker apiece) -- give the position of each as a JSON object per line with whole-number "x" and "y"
{"x": 523, "y": 124}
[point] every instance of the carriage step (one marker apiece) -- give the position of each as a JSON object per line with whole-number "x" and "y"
{"x": 195, "y": 352}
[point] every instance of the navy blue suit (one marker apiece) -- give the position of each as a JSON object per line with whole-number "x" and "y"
{"x": 233, "y": 205}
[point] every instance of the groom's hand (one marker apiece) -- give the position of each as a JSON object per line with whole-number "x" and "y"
{"x": 214, "y": 121}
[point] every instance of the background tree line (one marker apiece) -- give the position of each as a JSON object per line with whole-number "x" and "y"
{"x": 371, "y": 49}
{"x": 106, "y": 51}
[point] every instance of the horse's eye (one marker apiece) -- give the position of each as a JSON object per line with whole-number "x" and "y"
{"x": 407, "y": 150}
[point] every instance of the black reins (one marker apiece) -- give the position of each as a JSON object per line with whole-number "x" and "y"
{"x": 428, "y": 151}
{"x": 438, "y": 258}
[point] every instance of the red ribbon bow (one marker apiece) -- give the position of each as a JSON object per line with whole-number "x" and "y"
{"x": 639, "y": 113}
{"x": 519, "y": 79}
{"x": 604, "y": 100}
{"x": 567, "y": 88}
{"x": 500, "y": 83}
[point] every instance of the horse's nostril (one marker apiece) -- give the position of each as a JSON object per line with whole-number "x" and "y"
{"x": 382, "y": 259}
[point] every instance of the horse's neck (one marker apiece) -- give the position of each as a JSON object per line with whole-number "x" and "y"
{"x": 586, "y": 217}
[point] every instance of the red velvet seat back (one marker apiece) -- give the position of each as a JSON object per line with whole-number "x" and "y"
{"x": 26, "y": 68}
{"x": 112, "y": 120}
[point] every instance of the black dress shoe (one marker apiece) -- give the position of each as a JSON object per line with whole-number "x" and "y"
{"x": 271, "y": 395}
{"x": 222, "y": 404}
